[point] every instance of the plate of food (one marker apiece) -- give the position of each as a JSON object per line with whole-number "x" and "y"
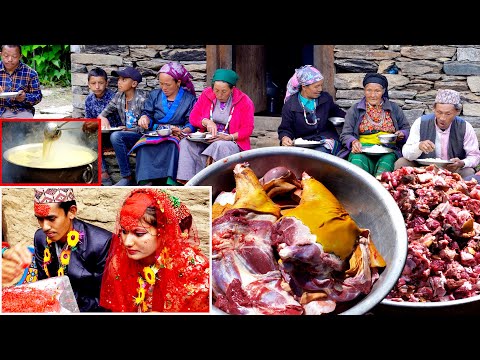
{"x": 152, "y": 133}
{"x": 112, "y": 129}
{"x": 202, "y": 139}
{"x": 307, "y": 143}
{"x": 197, "y": 135}
{"x": 52, "y": 295}
{"x": 436, "y": 161}
{"x": 9, "y": 94}
{"x": 376, "y": 150}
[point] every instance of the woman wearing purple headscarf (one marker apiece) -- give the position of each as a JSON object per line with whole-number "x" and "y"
{"x": 306, "y": 111}
{"x": 165, "y": 108}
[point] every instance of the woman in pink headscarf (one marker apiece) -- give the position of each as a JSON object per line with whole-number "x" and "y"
{"x": 168, "y": 107}
{"x": 306, "y": 111}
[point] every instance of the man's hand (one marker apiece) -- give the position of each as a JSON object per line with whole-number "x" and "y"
{"x": 456, "y": 165}
{"x": 21, "y": 96}
{"x": 144, "y": 122}
{"x": 14, "y": 261}
{"x": 426, "y": 146}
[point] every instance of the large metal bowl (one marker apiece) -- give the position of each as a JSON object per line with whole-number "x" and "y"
{"x": 367, "y": 201}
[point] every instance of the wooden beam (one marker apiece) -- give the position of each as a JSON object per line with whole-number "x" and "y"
{"x": 218, "y": 56}
{"x": 323, "y": 59}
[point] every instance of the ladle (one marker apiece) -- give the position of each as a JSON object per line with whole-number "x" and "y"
{"x": 52, "y": 131}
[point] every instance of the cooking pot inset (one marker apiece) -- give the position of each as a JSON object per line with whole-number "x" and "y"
{"x": 68, "y": 163}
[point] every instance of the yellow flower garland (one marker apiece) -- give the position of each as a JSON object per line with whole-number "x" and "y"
{"x": 73, "y": 237}
{"x": 150, "y": 277}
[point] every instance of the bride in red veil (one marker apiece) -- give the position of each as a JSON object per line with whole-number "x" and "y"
{"x": 154, "y": 262}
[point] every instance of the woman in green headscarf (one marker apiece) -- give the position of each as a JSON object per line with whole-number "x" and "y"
{"x": 226, "y": 113}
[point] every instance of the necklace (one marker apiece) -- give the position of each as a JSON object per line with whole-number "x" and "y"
{"x": 310, "y": 112}
{"x": 146, "y": 282}
{"x": 73, "y": 238}
{"x": 229, "y": 116}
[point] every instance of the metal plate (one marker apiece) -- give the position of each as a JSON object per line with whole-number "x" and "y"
{"x": 6, "y": 95}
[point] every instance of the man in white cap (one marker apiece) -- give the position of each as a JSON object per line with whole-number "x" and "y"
{"x": 65, "y": 245}
{"x": 443, "y": 135}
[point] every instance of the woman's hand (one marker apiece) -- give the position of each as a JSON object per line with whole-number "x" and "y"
{"x": 356, "y": 147}
{"x": 286, "y": 141}
{"x": 224, "y": 136}
{"x": 210, "y": 126}
{"x": 400, "y": 135}
{"x": 144, "y": 122}
{"x": 177, "y": 132}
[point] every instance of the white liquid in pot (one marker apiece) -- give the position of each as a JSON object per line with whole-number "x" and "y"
{"x": 58, "y": 157}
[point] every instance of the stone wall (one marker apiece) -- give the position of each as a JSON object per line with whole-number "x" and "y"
{"x": 98, "y": 206}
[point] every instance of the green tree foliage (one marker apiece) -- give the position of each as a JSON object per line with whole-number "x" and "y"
{"x": 52, "y": 63}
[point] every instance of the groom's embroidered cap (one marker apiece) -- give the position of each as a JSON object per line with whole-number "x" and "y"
{"x": 53, "y": 195}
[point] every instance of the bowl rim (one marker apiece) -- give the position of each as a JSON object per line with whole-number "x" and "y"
{"x": 430, "y": 304}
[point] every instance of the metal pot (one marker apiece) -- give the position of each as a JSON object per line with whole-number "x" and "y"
{"x": 367, "y": 201}
{"x": 81, "y": 171}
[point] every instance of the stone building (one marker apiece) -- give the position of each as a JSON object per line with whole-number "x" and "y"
{"x": 414, "y": 73}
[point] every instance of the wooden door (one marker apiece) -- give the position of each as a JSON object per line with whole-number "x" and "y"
{"x": 248, "y": 61}
{"x": 250, "y": 67}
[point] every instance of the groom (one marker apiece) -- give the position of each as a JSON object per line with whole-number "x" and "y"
{"x": 65, "y": 245}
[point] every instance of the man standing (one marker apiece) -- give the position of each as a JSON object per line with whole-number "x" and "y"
{"x": 443, "y": 135}
{"x": 15, "y": 76}
{"x": 68, "y": 246}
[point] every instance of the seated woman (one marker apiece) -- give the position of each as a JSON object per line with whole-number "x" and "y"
{"x": 374, "y": 115}
{"x": 151, "y": 247}
{"x": 306, "y": 111}
{"x": 227, "y": 114}
{"x": 169, "y": 106}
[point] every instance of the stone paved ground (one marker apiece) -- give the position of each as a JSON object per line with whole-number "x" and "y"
{"x": 56, "y": 103}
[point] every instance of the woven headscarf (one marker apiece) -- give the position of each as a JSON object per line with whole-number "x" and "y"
{"x": 178, "y": 72}
{"x": 304, "y": 75}
{"x": 377, "y": 79}
{"x": 182, "y": 281}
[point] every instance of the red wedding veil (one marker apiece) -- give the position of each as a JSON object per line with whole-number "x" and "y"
{"x": 182, "y": 281}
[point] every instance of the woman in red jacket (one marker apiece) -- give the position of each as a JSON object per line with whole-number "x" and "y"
{"x": 227, "y": 115}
